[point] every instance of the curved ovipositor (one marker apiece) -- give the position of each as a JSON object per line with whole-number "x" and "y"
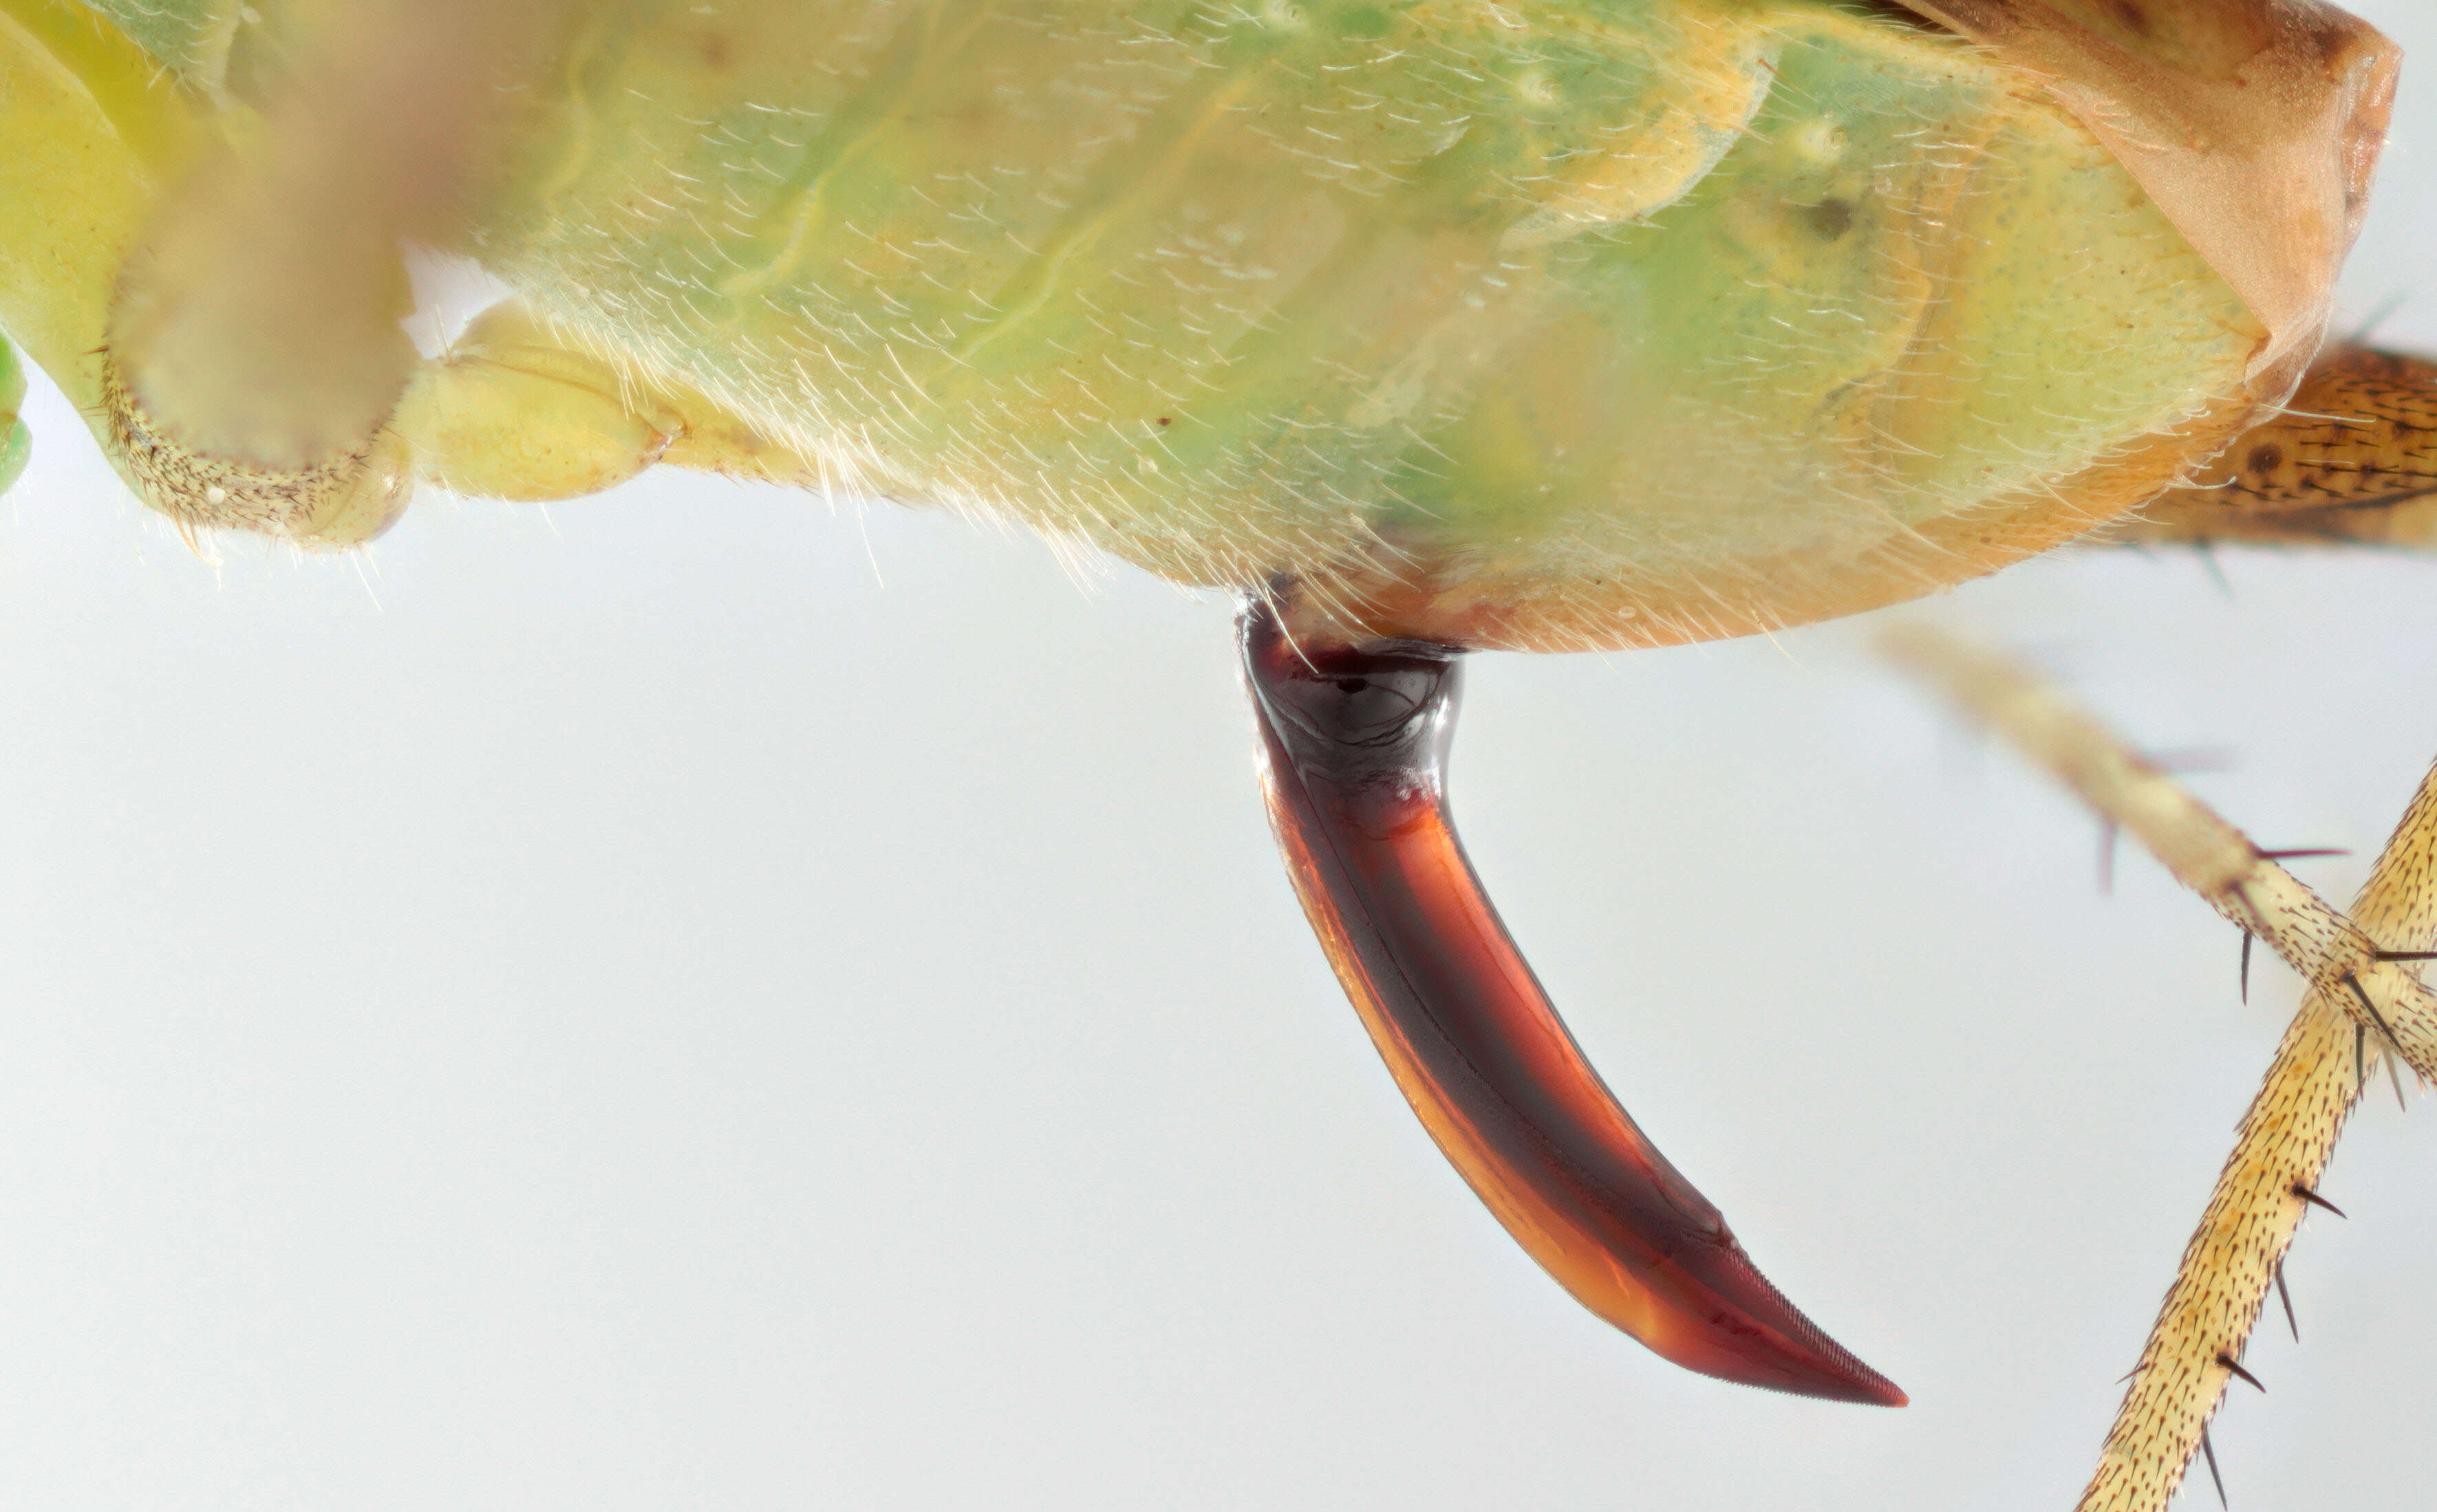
{"x": 1355, "y": 742}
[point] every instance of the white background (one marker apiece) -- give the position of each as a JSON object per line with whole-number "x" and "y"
{"x": 687, "y": 1000}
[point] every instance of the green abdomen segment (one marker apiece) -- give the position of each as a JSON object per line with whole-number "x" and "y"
{"x": 1552, "y": 299}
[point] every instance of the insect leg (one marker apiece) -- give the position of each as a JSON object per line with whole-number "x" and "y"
{"x": 515, "y": 410}
{"x": 1355, "y": 742}
{"x": 254, "y": 354}
{"x": 2351, "y": 459}
{"x": 2342, "y": 958}
{"x": 2269, "y": 1181}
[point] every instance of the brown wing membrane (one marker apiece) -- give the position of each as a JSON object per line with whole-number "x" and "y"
{"x": 1356, "y": 742}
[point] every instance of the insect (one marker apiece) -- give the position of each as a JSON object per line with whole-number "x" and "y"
{"x": 875, "y": 849}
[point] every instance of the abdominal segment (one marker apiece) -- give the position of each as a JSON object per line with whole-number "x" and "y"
{"x": 1536, "y": 325}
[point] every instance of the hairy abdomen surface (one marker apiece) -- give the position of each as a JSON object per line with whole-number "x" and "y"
{"x": 1530, "y": 324}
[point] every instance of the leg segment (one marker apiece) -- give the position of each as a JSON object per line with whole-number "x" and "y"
{"x": 2271, "y": 1181}
{"x": 514, "y": 410}
{"x": 2351, "y": 459}
{"x": 1356, "y": 741}
{"x": 253, "y": 350}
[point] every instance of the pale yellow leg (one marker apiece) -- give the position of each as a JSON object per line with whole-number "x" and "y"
{"x": 2325, "y": 949}
{"x": 2290, "y": 1130}
{"x": 514, "y": 410}
{"x": 220, "y": 292}
{"x": 253, "y": 352}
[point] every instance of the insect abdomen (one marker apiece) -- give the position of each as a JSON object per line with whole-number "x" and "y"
{"x": 1536, "y": 324}
{"x": 1564, "y": 309}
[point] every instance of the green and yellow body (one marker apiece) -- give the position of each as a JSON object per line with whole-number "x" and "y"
{"x": 1541, "y": 323}
{"x": 1424, "y": 325}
